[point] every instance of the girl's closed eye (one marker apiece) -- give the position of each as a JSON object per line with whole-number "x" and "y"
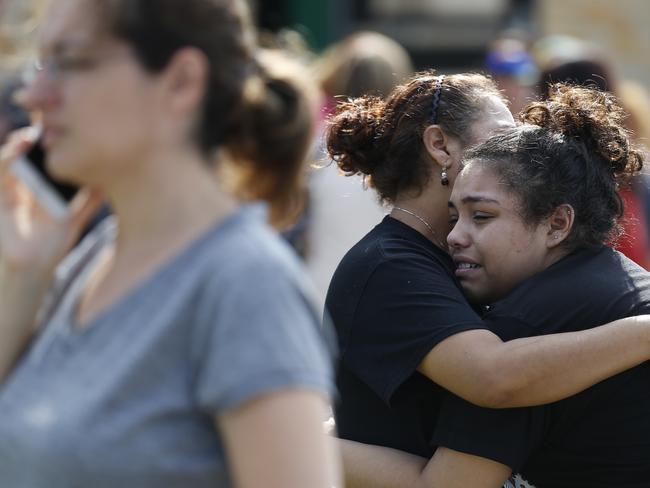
{"x": 482, "y": 216}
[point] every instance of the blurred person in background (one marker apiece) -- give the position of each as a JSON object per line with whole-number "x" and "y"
{"x": 364, "y": 63}
{"x": 177, "y": 346}
{"x": 513, "y": 69}
{"x": 343, "y": 209}
{"x": 636, "y": 100}
{"x": 636, "y": 193}
{"x": 567, "y": 60}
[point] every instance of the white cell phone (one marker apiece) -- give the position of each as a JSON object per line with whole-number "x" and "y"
{"x": 52, "y": 195}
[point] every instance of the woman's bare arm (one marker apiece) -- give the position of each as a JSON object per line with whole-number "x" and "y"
{"x": 452, "y": 469}
{"x": 277, "y": 441}
{"x": 20, "y": 298}
{"x": 477, "y": 366}
{"x": 367, "y": 466}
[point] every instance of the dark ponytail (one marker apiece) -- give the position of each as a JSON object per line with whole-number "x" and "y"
{"x": 573, "y": 150}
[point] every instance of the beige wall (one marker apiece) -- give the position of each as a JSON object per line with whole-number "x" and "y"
{"x": 621, "y": 27}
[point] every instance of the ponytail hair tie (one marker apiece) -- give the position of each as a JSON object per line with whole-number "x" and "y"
{"x": 437, "y": 91}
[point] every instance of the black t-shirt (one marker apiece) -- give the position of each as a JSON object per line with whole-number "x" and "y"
{"x": 598, "y": 438}
{"x": 392, "y": 298}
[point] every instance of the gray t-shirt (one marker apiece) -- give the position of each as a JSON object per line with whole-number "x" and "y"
{"x": 130, "y": 399}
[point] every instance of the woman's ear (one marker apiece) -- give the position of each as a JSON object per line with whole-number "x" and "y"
{"x": 435, "y": 142}
{"x": 560, "y": 224}
{"x": 185, "y": 80}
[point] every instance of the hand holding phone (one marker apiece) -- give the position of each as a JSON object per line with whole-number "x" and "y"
{"x": 37, "y": 226}
{"x": 31, "y": 170}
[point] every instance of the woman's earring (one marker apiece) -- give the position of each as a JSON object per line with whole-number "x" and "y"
{"x": 444, "y": 178}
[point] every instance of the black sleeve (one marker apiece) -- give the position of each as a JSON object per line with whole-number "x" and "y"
{"x": 407, "y": 307}
{"x": 508, "y": 327}
{"x": 507, "y": 436}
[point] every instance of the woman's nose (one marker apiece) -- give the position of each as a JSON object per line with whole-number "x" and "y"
{"x": 37, "y": 94}
{"x": 457, "y": 238}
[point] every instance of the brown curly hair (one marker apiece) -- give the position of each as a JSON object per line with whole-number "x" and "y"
{"x": 573, "y": 149}
{"x": 382, "y": 139}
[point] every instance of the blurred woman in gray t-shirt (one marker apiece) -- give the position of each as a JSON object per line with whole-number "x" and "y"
{"x": 177, "y": 345}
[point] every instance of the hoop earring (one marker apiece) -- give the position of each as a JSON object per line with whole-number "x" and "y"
{"x": 444, "y": 178}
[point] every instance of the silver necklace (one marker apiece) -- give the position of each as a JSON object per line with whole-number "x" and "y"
{"x": 413, "y": 214}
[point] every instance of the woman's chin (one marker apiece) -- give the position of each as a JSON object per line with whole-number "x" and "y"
{"x": 474, "y": 296}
